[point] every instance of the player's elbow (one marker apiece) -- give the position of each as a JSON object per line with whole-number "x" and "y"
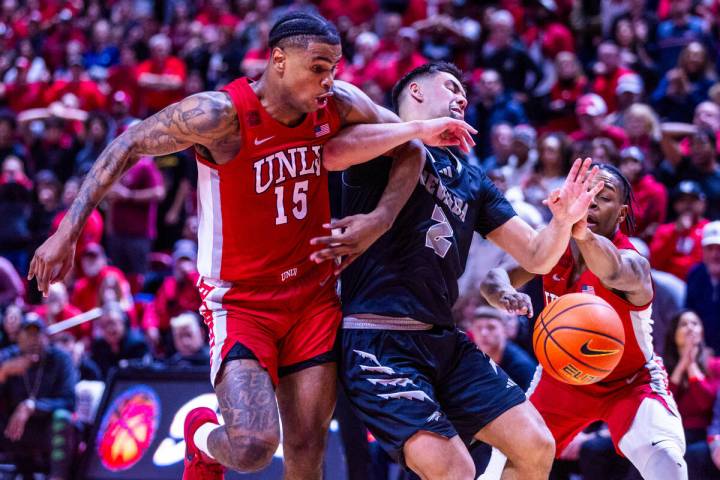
{"x": 335, "y": 156}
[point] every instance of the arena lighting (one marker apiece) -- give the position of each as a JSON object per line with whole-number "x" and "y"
{"x": 138, "y": 431}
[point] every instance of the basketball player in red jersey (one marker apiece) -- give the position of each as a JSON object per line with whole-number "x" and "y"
{"x": 634, "y": 399}
{"x": 263, "y": 194}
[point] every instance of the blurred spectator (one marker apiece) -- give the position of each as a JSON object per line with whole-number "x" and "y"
{"x": 700, "y": 166}
{"x": 643, "y": 129}
{"x": 500, "y": 143}
{"x": 120, "y": 117}
{"x": 669, "y": 298}
{"x": 550, "y": 171}
{"x": 650, "y": 198}
{"x": 97, "y": 130}
{"x": 12, "y": 287}
{"x": 37, "y": 389}
{"x": 509, "y": 57}
{"x": 117, "y": 343}
{"x": 15, "y": 210}
{"x": 93, "y": 272}
{"x": 387, "y": 70}
{"x": 604, "y": 151}
{"x": 189, "y": 342}
{"x": 160, "y": 78}
{"x": 676, "y": 247}
{"x": 694, "y": 374}
{"x": 608, "y": 70}
{"x": 704, "y": 459}
{"x": 256, "y": 58}
{"x": 354, "y": 70}
{"x": 77, "y": 83}
{"x": 628, "y": 92}
{"x": 121, "y": 77}
{"x": 179, "y": 175}
{"x": 487, "y": 327}
{"x": 493, "y": 106}
{"x": 102, "y": 53}
{"x": 11, "y": 321}
{"x": 62, "y": 32}
{"x": 45, "y": 207}
{"x": 56, "y": 307}
{"x": 53, "y": 148}
{"x": 177, "y": 294}
{"x": 685, "y": 86}
{"x": 9, "y": 144}
{"x": 86, "y": 367}
{"x": 523, "y": 155}
{"x": 679, "y": 30}
{"x": 570, "y": 86}
{"x": 132, "y": 224}
{"x": 93, "y": 230}
{"x": 591, "y": 112}
{"x": 703, "y": 285}
{"x": 634, "y": 52}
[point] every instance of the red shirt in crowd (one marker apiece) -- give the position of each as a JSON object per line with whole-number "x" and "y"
{"x": 358, "y": 11}
{"x": 91, "y": 233}
{"x": 695, "y": 400}
{"x": 554, "y": 38}
{"x": 25, "y": 96}
{"x": 86, "y": 294}
{"x": 616, "y": 134}
{"x": 649, "y": 204}
{"x": 386, "y": 70}
{"x": 605, "y": 86}
{"x": 89, "y": 95}
{"x": 568, "y": 93}
{"x": 172, "y": 299}
{"x": 676, "y": 252}
{"x": 83, "y": 330}
{"x": 156, "y": 100}
{"x": 137, "y": 219}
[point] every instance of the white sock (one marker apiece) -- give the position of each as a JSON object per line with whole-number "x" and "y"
{"x": 201, "y": 437}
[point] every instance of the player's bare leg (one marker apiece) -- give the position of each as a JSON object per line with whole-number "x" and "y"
{"x": 251, "y": 433}
{"x": 306, "y": 400}
{"x": 522, "y": 436}
{"x": 434, "y": 457}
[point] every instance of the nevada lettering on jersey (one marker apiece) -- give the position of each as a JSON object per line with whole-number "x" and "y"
{"x": 434, "y": 186}
{"x": 291, "y": 163}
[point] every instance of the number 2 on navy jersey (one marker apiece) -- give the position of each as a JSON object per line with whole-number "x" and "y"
{"x": 299, "y": 201}
{"x": 438, "y": 234}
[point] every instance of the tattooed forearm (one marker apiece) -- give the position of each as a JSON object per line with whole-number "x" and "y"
{"x": 207, "y": 118}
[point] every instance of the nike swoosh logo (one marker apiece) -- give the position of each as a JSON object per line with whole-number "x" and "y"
{"x": 556, "y": 277}
{"x": 590, "y": 352}
{"x": 260, "y": 142}
{"x": 663, "y": 440}
{"x": 631, "y": 379}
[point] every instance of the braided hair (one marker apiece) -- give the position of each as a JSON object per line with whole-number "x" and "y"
{"x": 299, "y": 29}
{"x": 627, "y": 193}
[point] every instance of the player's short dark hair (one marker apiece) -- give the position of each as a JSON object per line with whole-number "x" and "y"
{"x": 299, "y": 29}
{"x": 421, "y": 71}
{"x": 627, "y": 193}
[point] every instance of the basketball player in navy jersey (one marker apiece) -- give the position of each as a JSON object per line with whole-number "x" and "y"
{"x": 419, "y": 384}
{"x": 262, "y": 195}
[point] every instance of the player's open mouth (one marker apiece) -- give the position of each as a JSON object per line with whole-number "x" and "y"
{"x": 591, "y": 222}
{"x": 323, "y": 99}
{"x": 457, "y": 110}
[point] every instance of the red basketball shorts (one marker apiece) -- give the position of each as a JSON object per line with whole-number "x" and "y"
{"x": 282, "y": 324}
{"x": 568, "y": 409}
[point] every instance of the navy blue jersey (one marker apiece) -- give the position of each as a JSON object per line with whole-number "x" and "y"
{"x": 412, "y": 270}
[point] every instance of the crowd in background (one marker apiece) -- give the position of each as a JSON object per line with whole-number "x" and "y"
{"x": 634, "y": 83}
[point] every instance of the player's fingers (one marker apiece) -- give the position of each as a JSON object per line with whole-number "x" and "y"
{"x": 62, "y": 273}
{"x": 328, "y": 240}
{"x": 31, "y": 269}
{"x": 572, "y": 174}
{"x": 346, "y": 261}
{"x": 463, "y": 125}
{"x": 339, "y": 222}
{"x": 582, "y": 171}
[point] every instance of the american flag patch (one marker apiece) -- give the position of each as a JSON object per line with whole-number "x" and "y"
{"x": 323, "y": 129}
{"x": 588, "y": 289}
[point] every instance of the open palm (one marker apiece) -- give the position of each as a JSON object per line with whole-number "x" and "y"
{"x": 569, "y": 203}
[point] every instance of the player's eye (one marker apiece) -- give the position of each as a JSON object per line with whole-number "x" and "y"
{"x": 317, "y": 69}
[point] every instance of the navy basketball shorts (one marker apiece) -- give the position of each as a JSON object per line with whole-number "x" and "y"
{"x": 400, "y": 382}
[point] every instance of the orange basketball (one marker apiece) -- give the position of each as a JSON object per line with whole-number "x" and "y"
{"x": 578, "y": 339}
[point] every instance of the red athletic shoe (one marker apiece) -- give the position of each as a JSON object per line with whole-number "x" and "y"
{"x": 199, "y": 466}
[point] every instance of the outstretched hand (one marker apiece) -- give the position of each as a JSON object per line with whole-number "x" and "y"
{"x": 569, "y": 203}
{"x": 447, "y": 132}
{"x": 349, "y": 238}
{"x": 52, "y": 261}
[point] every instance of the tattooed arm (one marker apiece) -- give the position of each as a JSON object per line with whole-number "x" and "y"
{"x": 207, "y": 119}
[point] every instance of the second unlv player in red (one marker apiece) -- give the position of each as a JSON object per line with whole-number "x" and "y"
{"x": 634, "y": 399}
{"x": 263, "y": 194}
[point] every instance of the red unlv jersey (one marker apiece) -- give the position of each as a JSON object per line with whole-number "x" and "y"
{"x": 636, "y": 320}
{"x": 258, "y": 212}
